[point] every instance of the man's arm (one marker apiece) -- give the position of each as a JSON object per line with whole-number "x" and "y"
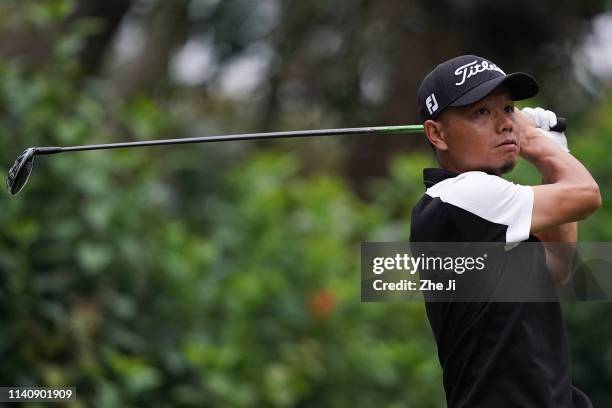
{"x": 560, "y": 245}
{"x": 568, "y": 194}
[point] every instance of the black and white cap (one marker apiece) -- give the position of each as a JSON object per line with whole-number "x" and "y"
{"x": 467, "y": 79}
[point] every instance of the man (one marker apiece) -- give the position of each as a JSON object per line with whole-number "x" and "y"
{"x": 499, "y": 354}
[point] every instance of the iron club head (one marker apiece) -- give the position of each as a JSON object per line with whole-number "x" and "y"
{"x": 20, "y": 171}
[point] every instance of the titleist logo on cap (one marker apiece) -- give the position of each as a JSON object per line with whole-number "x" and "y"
{"x": 474, "y": 68}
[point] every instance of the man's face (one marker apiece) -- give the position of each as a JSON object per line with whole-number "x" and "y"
{"x": 481, "y": 136}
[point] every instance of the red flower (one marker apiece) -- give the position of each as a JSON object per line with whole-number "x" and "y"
{"x": 322, "y": 303}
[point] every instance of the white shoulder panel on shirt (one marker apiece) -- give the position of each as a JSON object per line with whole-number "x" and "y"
{"x": 490, "y": 197}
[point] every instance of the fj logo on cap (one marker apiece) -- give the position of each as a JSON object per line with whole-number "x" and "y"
{"x": 431, "y": 103}
{"x": 474, "y": 68}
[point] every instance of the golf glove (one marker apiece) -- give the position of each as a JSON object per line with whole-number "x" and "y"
{"x": 544, "y": 120}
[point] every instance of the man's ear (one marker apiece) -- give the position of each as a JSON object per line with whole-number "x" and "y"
{"x": 435, "y": 134}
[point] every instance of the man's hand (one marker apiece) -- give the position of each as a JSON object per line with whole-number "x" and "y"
{"x": 544, "y": 120}
{"x": 533, "y": 142}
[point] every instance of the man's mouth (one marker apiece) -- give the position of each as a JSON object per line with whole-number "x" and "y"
{"x": 507, "y": 142}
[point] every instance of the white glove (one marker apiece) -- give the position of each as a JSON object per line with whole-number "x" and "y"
{"x": 544, "y": 120}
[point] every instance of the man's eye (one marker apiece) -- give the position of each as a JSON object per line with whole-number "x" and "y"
{"x": 483, "y": 111}
{"x": 510, "y": 109}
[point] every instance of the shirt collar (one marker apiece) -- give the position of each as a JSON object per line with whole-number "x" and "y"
{"x": 434, "y": 176}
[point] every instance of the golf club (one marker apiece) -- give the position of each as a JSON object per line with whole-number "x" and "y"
{"x": 22, "y": 167}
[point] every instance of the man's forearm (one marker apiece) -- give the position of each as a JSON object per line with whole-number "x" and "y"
{"x": 560, "y": 245}
{"x": 556, "y": 165}
{"x": 561, "y": 233}
{"x": 568, "y": 193}
{"x": 559, "y": 242}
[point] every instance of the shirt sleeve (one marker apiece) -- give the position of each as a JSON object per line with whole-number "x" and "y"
{"x": 491, "y": 198}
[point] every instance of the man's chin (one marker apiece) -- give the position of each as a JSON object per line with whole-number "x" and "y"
{"x": 503, "y": 169}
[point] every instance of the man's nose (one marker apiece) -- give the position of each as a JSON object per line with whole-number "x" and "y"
{"x": 504, "y": 123}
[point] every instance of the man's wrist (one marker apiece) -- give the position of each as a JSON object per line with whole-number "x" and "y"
{"x": 547, "y": 158}
{"x": 539, "y": 148}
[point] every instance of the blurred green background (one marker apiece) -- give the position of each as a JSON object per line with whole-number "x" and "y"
{"x": 227, "y": 275}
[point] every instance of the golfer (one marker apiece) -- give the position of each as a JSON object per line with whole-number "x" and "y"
{"x": 496, "y": 354}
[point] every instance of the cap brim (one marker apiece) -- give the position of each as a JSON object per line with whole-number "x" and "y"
{"x": 520, "y": 85}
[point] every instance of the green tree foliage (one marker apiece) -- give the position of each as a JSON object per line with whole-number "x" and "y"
{"x": 128, "y": 276}
{"x": 110, "y": 289}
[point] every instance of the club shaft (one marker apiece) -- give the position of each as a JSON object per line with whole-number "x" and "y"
{"x": 244, "y": 136}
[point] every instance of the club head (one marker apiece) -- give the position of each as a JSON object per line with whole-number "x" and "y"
{"x": 20, "y": 171}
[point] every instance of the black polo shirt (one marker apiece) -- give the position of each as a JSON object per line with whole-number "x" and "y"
{"x": 493, "y": 354}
